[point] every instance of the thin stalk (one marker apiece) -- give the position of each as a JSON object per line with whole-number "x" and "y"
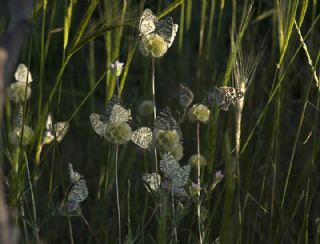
{"x": 90, "y": 229}
{"x": 174, "y": 218}
{"x": 36, "y": 229}
{"x": 199, "y": 184}
{"x": 154, "y": 106}
{"x": 117, "y": 190}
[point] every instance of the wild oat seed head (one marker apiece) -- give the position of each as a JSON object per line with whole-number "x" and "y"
{"x": 146, "y": 108}
{"x": 167, "y": 140}
{"x": 153, "y": 45}
{"x": 118, "y": 133}
{"x": 17, "y": 92}
{"x": 199, "y": 113}
{"x": 116, "y": 68}
{"x": 177, "y": 152}
{"x": 194, "y": 159}
{"x": 15, "y": 135}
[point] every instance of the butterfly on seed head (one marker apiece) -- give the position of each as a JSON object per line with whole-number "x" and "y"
{"x": 149, "y": 24}
{"x": 223, "y": 97}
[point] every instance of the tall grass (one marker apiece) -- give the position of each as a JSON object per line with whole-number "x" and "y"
{"x": 266, "y": 145}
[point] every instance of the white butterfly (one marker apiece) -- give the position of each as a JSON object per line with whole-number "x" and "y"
{"x": 186, "y": 96}
{"x": 143, "y": 137}
{"x": 150, "y": 24}
{"x": 55, "y": 131}
{"x": 223, "y": 97}
{"x": 177, "y": 176}
{"x": 115, "y": 113}
{"x": 23, "y": 74}
{"x": 152, "y": 181}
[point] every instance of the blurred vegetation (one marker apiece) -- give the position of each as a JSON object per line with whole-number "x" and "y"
{"x": 270, "y": 190}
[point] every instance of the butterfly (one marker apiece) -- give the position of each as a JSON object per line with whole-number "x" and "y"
{"x": 150, "y": 24}
{"x": 23, "y": 74}
{"x": 143, "y": 137}
{"x": 186, "y": 97}
{"x": 77, "y": 194}
{"x": 115, "y": 113}
{"x": 165, "y": 121}
{"x": 223, "y": 97}
{"x": 152, "y": 181}
{"x": 55, "y": 131}
{"x": 176, "y": 175}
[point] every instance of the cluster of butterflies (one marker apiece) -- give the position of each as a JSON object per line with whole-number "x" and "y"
{"x": 221, "y": 97}
{"x": 77, "y": 194}
{"x": 149, "y": 24}
{"x": 175, "y": 177}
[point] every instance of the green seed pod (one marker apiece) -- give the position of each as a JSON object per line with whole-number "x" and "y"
{"x": 153, "y": 45}
{"x": 193, "y": 160}
{"x": 118, "y": 133}
{"x": 199, "y": 113}
{"x": 146, "y": 108}
{"x": 16, "y": 134}
{"x": 167, "y": 140}
{"x": 17, "y": 92}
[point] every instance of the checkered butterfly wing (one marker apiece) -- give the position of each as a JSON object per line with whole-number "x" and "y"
{"x": 186, "y": 96}
{"x": 223, "y": 97}
{"x": 115, "y": 112}
{"x": 143, "y": 137}
{"x": 167, "y": 30}
{"x": 99, "y": 123}
{"x": 165, "y": 121}
{"x": 77, "y": 194}
{"x": 147, "y": 22}
{"x": 152, "y": 181}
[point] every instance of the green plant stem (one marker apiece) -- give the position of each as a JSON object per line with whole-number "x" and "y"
{"x": 117, "y": 190}
{"x": 154, "y": 107}
{"x": 199, "y": 184}
{"x": 174, "y": 218}
{"x": 36, "y": 229}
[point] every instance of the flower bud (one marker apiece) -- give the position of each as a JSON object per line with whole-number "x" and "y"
{"x": 16, "y": 134}
{"x": 199, "y": 113}
{"x": 118, "y": 133}
{"x": 167, "y": 140}
{"x": 153, "y": 45}
{"x": 194, "y": 160}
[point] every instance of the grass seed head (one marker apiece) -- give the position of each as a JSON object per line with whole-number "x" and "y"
{"x": 146, "y": 108}
{"x": 177, "y": 152}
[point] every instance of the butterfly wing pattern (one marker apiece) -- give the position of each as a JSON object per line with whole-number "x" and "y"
{"x": 152, "y": 181}
{"x": 147, "y": 22}
{"x": 165, "y": 121}
{"x": 186, "y": 96}
{"x": 23, "y": 74}
{"x": 77, "y": 194}
{"x": 223, "y": 97}
{"x": 115, "y": 113}
{"x": 176, "y": 175}
{"x": 150, "y": 24}
{"x": 143, "y": 137}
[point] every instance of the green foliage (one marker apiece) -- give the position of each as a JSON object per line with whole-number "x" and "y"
{"x": 258, "y": 181}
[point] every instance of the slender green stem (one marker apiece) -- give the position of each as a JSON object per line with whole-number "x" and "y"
{"x": 36, "y": 229}
{"x": 117, "y": 190}
{"x": 174, "y": 218}
{"x": 154, "y": 107}
{"x": 199, "y": 184}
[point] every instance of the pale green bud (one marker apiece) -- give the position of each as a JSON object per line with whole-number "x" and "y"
{"x": 118, "y": 133}
{"x": 199, "y": 113}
